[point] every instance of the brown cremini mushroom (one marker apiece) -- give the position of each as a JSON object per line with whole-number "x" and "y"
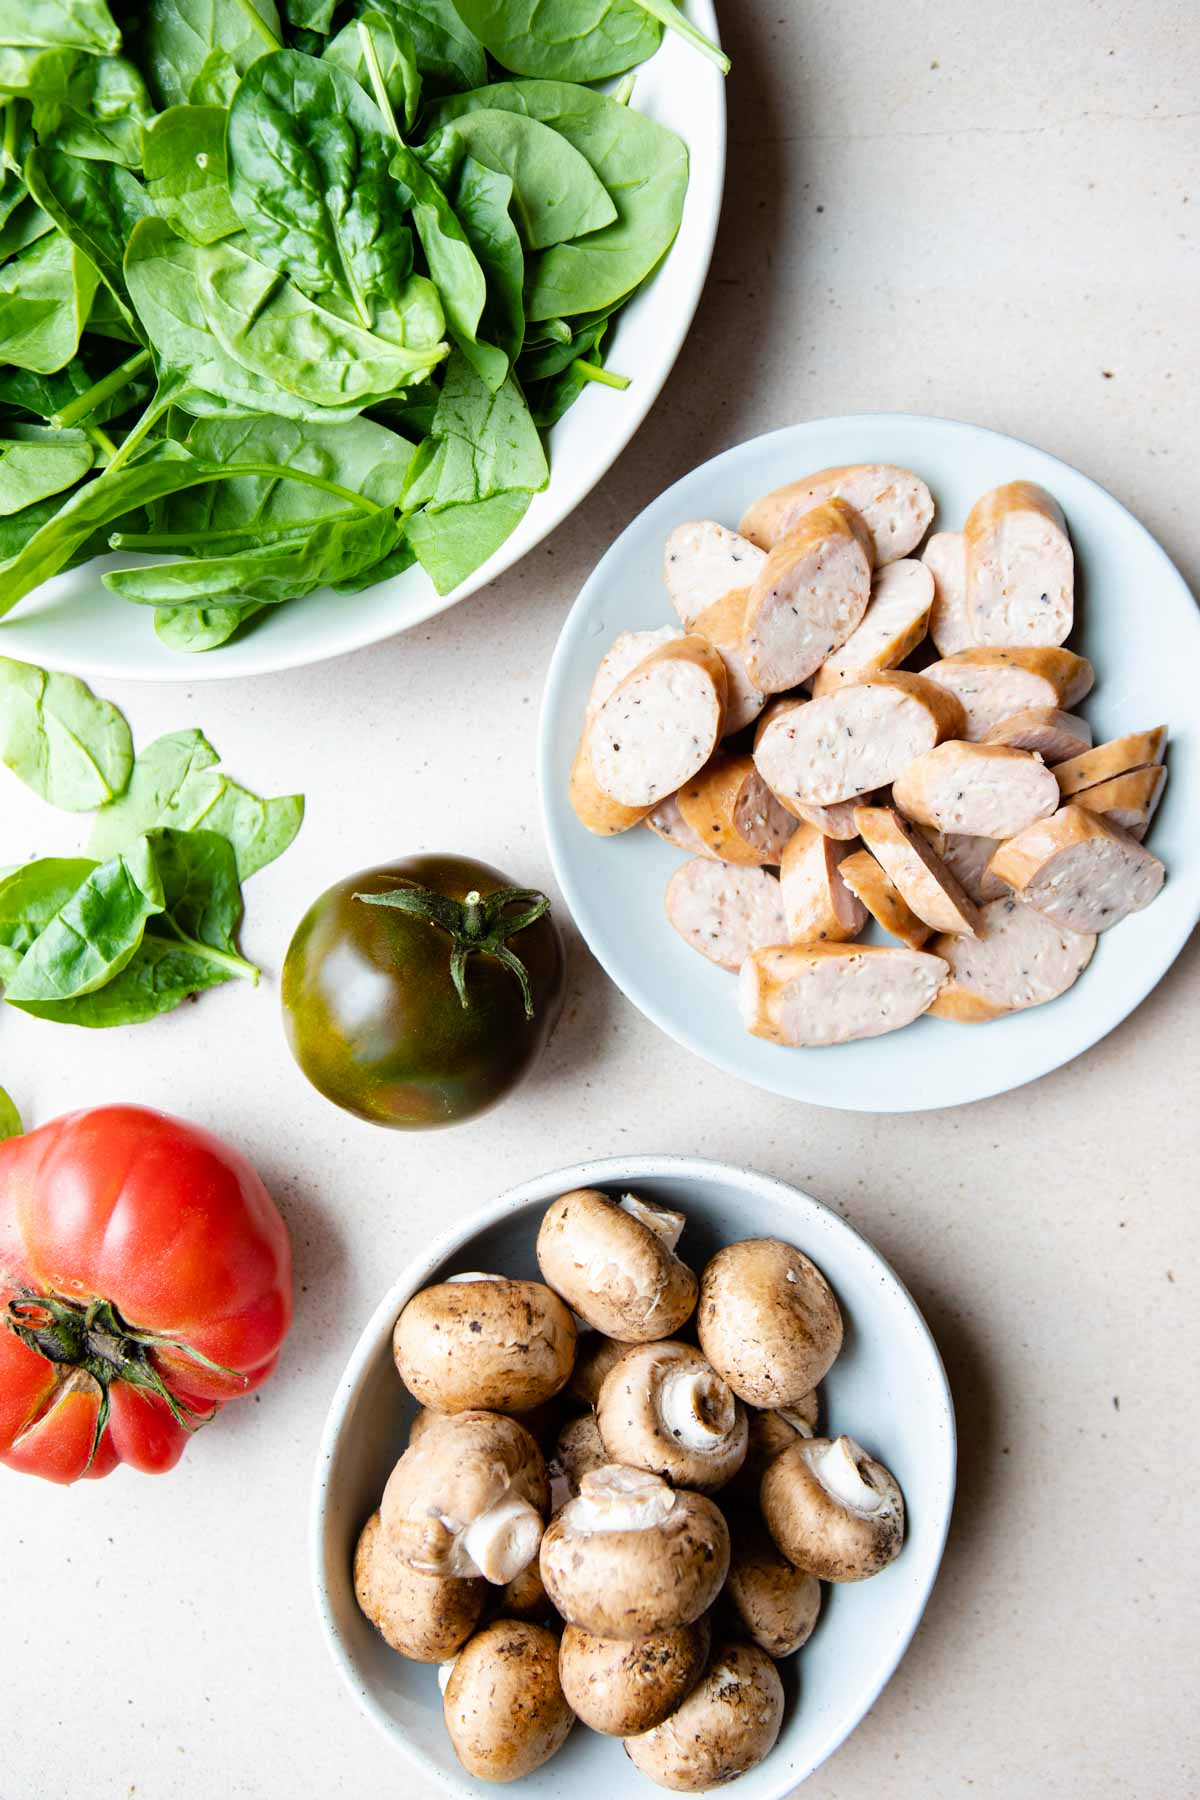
{"x": 663, "y": 1408}
{"x": 468, "y": 1498}
{"x": 622, "y": 1688}
{"x": 728, "y": 1724}
{"x": 424, "y": 1617}
{"x": 484, "y": 1343}
{"x": 503, "y": 1702}
{"x": 833, "y": 1510}
{"x": 768, "y": 1321}
{"x": 614, "y": 1261}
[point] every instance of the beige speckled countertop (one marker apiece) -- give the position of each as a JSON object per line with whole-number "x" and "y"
{"x": 979, "y": 211}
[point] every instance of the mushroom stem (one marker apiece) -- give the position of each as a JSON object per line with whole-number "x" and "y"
{"x": 665, "y": 1224}
{"x": 504, "y": 1540}
{"x": 837, "y": 1469}
{"x": 445, "y": 1671}
{"x": 615, "y": 1498}
{"x": 696, "y": 1408}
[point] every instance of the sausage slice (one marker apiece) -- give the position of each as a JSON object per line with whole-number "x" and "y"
{"x": 919, "y": 873}
{"x": 860, "y": 738}
{"x": 983, "y": 790}
{"x": 834, "y": 821}
{"x": 810, "y": 594}
{"x": 945, "y": 556}
{"x": 1053, "y": 735}
{"x": 895, "y": 504}
{"x": 669, "y": 824}
{"x": 811, "y": 995}
{"x": 1020, "y": 567}
{"x": 660, "y": 725}
{"x": 732, "y": 810}
{"x": 1023, "y": 959}
{"x": 1137, "y": 750}
{"x": 817, "y": 903}
{"x": 1079, "y": 870}
{"x": 1128, "y": 800}
{"x": 724, "y": 625}
{"x": 870, "y": 882}
{"x": 703, "y": 561}
{"x": 967, "y": 859}
{"x": 993, "y": 684}
{"x": 725, "y": 913}
{"x": 626, "y": 652}
{"x": 896, "y": 619}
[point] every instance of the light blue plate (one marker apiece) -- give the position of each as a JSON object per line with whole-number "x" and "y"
{"x": 1137, "y": 622}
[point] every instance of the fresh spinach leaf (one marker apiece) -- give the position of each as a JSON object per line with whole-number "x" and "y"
{"x": 308, "y": 177}
{"x": 395, "y": 53}
{"x": 449, "y": 56}
{"x": 60, "y": 24}
{"x": 335, "y": 550}
{"x": 10, "y": 1118}
{"x": 481, "y": 444}
{"x": 158, "y": 977}
{"x": 642, "y": 164}
{"x": 46, "y": 294}
{"x": 24, "y": 226}
{"x": 202, "y": 896}
{"x": 196, "y": 51}
{"x": 165, "y": 768}
{"x": 482, "y": 199}
{"x": 70, "y": 747}
{"x": 95, "y": 205}
{"x": 453, "y": 543}
{"x": 194, "y": 629}
{"x": 187, "y": 177}
{"x": 557, "y": 193}
{"x": 259, "y": 830}
{"x": 31, "y": 472}
{"x": 310, "y": 15}
{"x": 29, "y": 898}
{"x": 96, "y": 107}
{"x": 452, "y": 262}
{"x": 569, "y": 40}
{"x": 92, "y": 937}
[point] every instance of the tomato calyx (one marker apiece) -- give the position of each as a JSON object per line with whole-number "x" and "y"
{"x": 476, "y": 925}
{"x": 92, "y": 1338}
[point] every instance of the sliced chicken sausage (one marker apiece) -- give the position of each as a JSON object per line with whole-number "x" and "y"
{"x": 945, "y": 556}
{"x": 967, "y": 859}
{"x": 725, "y": 913}
{"x": 855, "y": 740}
{"x": 661, "y": 724}
{"x": 669, "y": 824}
{"x": 811, "y": 995}
{"x": 808, "y": 597}
{"x": 732, "y": 810}
{"x": 818, "y": 905}
{"x": 724, "y": 625}
{"x": 1053, "y": 735}
{"x": 923, "y": 880}
{"x": 1020, "y": 567}
{"x": 1023, "y": 959}
{"x": 1128, "y": 800}
{"x": 1137, "y": 750}
{"x": 834, "y": 821}
{"x": 627, "y": 651}
{"x": 982, "y": 790}
{"x": 896, "y": 619}
{"x": 870, "y": 882}
{"x": 703, "y": 562}
{"x": 1079, "y": 870}
{"x": 993, "y": 684}
{"x": 895, "y": 504}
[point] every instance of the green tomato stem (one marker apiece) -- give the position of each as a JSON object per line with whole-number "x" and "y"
{"x": 476, "y": 925}
{"x": 668, "y": 14}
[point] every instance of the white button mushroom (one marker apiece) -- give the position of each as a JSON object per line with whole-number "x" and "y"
{"x": 631, "y": 1556}
{"x": 468, "y": 1499}
{"x": 662, "y": 1407}
{"x": 833, "y": 1510}
{"x": 776, "y": 1605}
{"x": 614, "y": 1261}
{"x": 503, "y": 1705}
{"x": 728, "y": 1723}
{"x": 484, "y": 1343}
{"x": 622, "y": 1688}
{"x": 768, "y": 1321}
{"x": 424, "y": 1617}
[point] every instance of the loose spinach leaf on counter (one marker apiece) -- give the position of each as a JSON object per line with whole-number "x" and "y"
{"x": 69, "y": 746}
{"x": 10, "y": 1118}
{"x": 93, "y": 936}
{"x": 158, "y": 977}
{"x": 160, "y": 772}
{"x": 187, "y": 176}
{"x": 29, "y": 898}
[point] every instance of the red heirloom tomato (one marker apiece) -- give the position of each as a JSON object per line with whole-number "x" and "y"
{"x": 145, "y": 1279}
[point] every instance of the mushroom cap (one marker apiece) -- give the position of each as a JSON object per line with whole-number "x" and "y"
{"x": 622, "y": 1688}
{"x": 662, "y": 1407}
{"x": 454, "y": 1474}
{"x": 772, "y": 1432}
{"x": 614, "y": 1261}
{"x": 579, "y": 1449}
{"x": 495, "y": 1345}
{"x": 728, "y": 1723}
{"x": 774, "y": 1604}
{"x": 833, "y": 1510}
{"x": 504, "y": 1706}
{"x": 768, "y": 1321}
{"x": 425, "y": 1617}
{"x": 525, "y": 1597}
{"x": 593, "y": 1359}
{"x": 631, "y": 1556}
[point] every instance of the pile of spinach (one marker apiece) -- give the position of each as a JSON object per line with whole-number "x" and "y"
{"x": 149, "y": 914}
{"x": 291, "y": 289}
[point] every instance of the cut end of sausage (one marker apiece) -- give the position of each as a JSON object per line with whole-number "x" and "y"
{"x": 725, "y": 913}
{"x": 870, "y": 882}
{"x": 1022, "y": 960}
{"x": 820, "y": 908}
{"x": 669, "y": 824}
{"x": 1127, "y": 801}
{"x": 1044, "y": 731}
{"x": 980, "y": 790}
{"x": 1136, "y": 750}
{"x": 992, "y": 683}
{"x": 922, "y": 878}
{"x": 628, "y": 650}
{"x": 703, "y": 561}
{"x": 809, "y": 596}
{"x": 896, "y": 619}
{"x": 1079, "y": 870}
{"x": 945, "y": 556}
{"x": 1020, "y": 567}
{"x": 812, "y": 995}
{"x": 967, "y": 859}
{"x": 734, "y": 812}
{"x": 853, "y": 741}
{"x": 895, "y": 505}
{"x": 661, "y": 725}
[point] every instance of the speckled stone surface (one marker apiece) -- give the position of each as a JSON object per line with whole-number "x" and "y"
{"x": 982, "y": 212}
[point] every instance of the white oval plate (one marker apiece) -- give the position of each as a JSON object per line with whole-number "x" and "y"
{"x": 888, "y": 1388}
{"x": 1140, "y": 628}
{"x": 74, "y": 623}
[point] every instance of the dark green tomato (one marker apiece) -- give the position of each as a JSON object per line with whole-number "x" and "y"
{"x": 372, "y": 1012}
